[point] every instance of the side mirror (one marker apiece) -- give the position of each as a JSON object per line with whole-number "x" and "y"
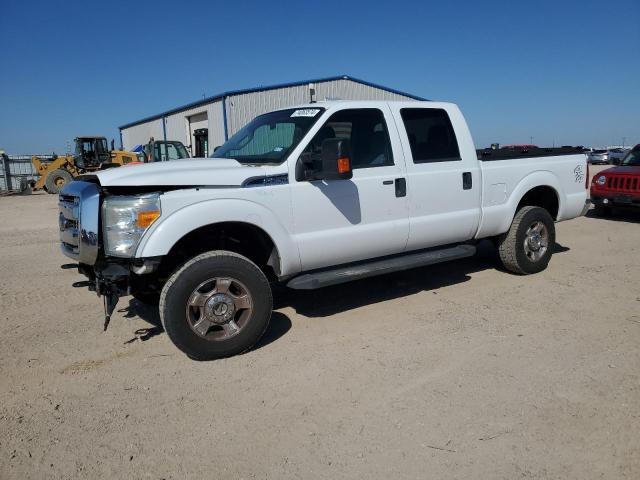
{"x": 335, "y": 160}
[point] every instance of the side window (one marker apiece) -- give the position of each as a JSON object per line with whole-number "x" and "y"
{"x": 366, "y": 130}
{"x": 172, "y": 152}
{"x": 431, "y": 135}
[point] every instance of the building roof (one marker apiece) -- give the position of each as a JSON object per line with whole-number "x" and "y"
{"x": 229, "y": 93}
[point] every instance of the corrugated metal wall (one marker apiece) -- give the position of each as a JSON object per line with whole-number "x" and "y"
{"x": 345, "y": 89}
{"x": 177, "y": 127}
{"x": 243, "y": 108}
{"x": 178, "y": 124}
{"x": 139, "y": 134}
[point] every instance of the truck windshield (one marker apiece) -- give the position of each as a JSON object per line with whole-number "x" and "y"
{"x": 269, "y": 138}
{"x": 633, "y": 158}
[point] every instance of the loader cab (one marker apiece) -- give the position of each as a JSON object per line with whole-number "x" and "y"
{"x": 91, "y": 152}
{"x": 162, "y": 151}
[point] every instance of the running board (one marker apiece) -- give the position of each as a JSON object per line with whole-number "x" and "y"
{"x": 343, "y": 274}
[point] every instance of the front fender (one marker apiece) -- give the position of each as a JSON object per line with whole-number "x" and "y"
{"x": 166, "y": 232}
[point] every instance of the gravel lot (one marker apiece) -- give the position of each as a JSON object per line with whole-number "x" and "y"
{"x": 454, "y": 371}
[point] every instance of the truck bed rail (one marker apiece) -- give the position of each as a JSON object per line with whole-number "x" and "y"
{"x": 489, "y": 154}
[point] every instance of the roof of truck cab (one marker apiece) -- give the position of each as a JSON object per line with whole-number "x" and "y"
{"x": 362, "y": 103}
{"x": 332, "y": 104}
{"x": 229, "y": 93}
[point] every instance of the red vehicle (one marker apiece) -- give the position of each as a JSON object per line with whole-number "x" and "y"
{"x": 618, "y": 187}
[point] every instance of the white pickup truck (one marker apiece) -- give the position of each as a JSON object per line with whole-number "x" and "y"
{"x": 310, "y": 196}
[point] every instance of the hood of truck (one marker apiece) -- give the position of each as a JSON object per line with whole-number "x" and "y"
{"x": 218, "y": 172}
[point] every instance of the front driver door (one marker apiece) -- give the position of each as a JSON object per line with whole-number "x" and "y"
{"x": 341, "y": 221}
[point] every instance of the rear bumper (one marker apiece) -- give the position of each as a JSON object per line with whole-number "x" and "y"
{"x": 585, "y": 209}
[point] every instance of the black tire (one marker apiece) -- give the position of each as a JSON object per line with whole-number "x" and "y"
{"x": 515, "y": 256}
{"x": 57, "y": 179}
{"x": 180, "y": 287}
{"x": 25, "y": 187}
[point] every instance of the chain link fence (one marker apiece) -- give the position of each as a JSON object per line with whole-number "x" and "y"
{"x": 16, "y": 171}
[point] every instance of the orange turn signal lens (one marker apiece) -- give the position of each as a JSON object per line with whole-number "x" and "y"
{"x": 145, "y": 219}
{"x": 344, "y": 166}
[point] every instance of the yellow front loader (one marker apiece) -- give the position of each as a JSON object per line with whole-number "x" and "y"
{"x": 91, "y": 154}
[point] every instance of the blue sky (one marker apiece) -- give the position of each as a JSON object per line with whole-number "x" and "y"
{"x": 564, "y": 72}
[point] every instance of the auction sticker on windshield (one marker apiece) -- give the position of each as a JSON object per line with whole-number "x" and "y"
{"x": 306, "y": 112}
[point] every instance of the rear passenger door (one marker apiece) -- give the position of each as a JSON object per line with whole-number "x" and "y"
{"x": 443, "y": 177}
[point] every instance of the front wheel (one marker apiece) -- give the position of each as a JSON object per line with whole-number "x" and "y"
{"x": 526, "y": 247}
{"x": 57, "y": 179}
{"x": 216, "y": 305}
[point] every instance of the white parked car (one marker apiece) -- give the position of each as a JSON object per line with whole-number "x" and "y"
{"x": 310, "y": 196}
{"x": 598, "y": 156}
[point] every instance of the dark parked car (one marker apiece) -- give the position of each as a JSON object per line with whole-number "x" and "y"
{"x": 617, "y": 154}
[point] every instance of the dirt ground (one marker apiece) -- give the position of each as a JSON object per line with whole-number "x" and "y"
{"x": 453, "y": 371}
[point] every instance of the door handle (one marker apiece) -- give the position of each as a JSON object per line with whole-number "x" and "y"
{"x": 387, "y": 182}
{"x": 401, "y": 187}
{"x": 467, "y": 181}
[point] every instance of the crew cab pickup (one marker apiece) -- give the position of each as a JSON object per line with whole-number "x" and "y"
{"x": 310, "y": 196}
{"x": 618, "y": 187}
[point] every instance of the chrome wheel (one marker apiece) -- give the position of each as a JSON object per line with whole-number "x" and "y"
{"x": 219, "y": 308}
{"x": 536, "y": 241}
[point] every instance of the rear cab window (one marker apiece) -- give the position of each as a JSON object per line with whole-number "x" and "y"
{"x": 431, "y": 135}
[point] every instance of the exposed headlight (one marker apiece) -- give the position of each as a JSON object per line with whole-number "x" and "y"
{"x": 124, "y": 221}
{"x": 601, "y": 180}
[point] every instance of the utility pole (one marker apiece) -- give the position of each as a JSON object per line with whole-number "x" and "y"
{"x": 623, "y": 140}
{"x": 531, "y": 141}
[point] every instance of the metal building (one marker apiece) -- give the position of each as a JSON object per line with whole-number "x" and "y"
{"x": 207, "y": 123}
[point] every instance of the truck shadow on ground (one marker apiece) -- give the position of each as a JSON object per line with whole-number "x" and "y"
{"x": 278, "y": 326}
{"x": 617, "y": 216}
{"x": 339, "y": 298}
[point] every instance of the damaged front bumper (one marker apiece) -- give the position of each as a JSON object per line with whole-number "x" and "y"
{"x": 79, "y": 222}
{"x": 112, "y": 278}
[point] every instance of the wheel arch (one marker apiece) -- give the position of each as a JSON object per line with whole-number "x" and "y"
{"x": 242, "y": 238}
{"x": 543, "y": 196}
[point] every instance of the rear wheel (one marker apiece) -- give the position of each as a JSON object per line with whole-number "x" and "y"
{"x": 57, "y": 179}
{"x": 217, "y": 305}
{"x": 526, "y": 247}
